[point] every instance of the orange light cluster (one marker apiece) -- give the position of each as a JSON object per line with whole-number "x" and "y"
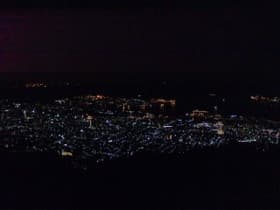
{"x": 199, "y": 113}
{"x": 95, "y": 97}
{"x": 100, "y": 97}
{"x": 172, "y": 102}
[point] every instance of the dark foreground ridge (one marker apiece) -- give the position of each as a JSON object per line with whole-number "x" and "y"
{"x": 206, "y": 179}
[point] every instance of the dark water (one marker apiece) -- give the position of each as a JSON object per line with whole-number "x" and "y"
{"x": 191, "y": 91}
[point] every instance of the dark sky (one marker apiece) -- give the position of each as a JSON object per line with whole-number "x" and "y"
{"x": 145, "y": 39}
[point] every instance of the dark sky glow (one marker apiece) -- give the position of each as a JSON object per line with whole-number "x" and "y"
{"x": 148, "y": 40}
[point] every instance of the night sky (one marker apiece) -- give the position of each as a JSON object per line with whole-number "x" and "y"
{"x": 145, "y": 39}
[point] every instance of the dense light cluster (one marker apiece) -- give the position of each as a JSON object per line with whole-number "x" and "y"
{"x": 104, "y": 128}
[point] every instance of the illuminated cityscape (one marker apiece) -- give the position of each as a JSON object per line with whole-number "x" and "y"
{"x": 104, "y": 128}
{"x": 139, "y": 105}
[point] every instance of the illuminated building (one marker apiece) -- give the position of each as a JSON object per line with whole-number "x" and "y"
{"x": 161, "y": 101}
{"x": 35, "y": 85}
{"x": 90, "y": 118}
{"x": 143, "y": 107}
{"x": 25, "y": 114}
{"x": 66, "y": 153}
{"x": 199, "y": 113}
{"x": 265, "y": 99}
{"x": 123, "y": 107}
{"x": 100, "y": 97}
{"x": 169, "y": 137}
{"x": 220, "y": 128}
{"x": 95, "y": 97}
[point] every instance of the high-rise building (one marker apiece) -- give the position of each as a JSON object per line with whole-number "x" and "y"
{"x": 90, "y": 119}
{"x": 25, "y": 114}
